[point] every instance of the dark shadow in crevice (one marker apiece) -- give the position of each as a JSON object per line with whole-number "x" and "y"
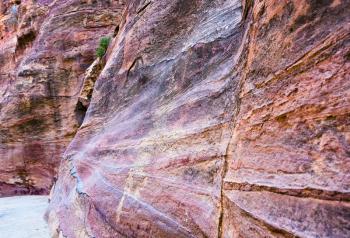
{"x": 116, "y": 31}
{"x": 143, "y": 8}
{"x": 24, "y": 41}
{"x": 80, "y": 111}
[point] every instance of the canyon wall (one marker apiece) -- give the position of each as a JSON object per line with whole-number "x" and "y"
{"x": 222, "y": 118}
{"x": 45, "y": 49}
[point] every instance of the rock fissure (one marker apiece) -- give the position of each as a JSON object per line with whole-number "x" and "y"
{"x": 302, "y": 192}
{"x": 143, "y": 8}
{"x": 274, "y": 231}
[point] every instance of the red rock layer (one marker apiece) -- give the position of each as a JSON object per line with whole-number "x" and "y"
{"x": 212, "y": 119}
{"x": 288, "y": 159}
{"x": 45, "y": 48}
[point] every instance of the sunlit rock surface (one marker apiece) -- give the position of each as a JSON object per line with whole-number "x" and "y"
{"x": 23, "y": 217}
{"x": 215, "y": 119}
{"x": 45, "y": 48}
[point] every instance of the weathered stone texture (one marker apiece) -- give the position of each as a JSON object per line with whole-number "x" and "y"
{"x": 45, "y": 48}
{"x": 288, "y": 160}
{"x": 210, "y": 118}
{"x": 215, "y": 119}
{"x": 148, "y": 159}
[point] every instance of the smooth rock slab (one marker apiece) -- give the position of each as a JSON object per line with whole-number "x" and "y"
{"x": 22, "y": 217}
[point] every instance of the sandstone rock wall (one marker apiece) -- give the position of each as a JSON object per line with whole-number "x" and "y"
{"x": 215, "y": 119}
{"x": 288, "y": 159}
{"x": 45, "y": 48}
{"x": 148, "y": 159}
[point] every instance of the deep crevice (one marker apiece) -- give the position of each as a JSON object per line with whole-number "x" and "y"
{"x": 23, "y": 41}
{"x": 143, "y": 8}
{"x": 246, "y": 12}
{"x": 116, "y": 31}
{"x": 80, "y": 112}
{"x": 93, "y": 73}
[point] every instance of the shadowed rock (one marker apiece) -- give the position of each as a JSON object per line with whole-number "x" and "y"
{"x": 43, "y": 58}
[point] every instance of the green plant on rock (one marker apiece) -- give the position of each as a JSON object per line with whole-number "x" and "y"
{"x": 102, "y": 48}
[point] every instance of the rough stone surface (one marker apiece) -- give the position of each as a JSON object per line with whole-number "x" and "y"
{"x": 91, "y": 75}
{"x": 215, "y": 119}
{"x": 45, "y": 48}
{"x": 288, "y": 159}
{"x": 23, "y": 217}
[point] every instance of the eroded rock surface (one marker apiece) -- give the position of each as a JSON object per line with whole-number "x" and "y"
{"x": 215, "y": 119}
{"x": 45, "y": 48}
{"x": 288, "y": 160}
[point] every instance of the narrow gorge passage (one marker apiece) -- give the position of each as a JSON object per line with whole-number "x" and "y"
{"x": 46, "y": 47}
{"x": 177, "y": 118}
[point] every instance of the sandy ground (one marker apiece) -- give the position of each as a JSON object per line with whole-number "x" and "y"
{"x": 22, "y": 217}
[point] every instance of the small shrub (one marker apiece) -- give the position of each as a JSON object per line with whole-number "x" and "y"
{"x": 102, "y": 48}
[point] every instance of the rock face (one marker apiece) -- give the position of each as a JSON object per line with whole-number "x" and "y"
{"x": 45, "y": 48}
{"x": 215, "y": 119}
{"x": 288, "y": 159}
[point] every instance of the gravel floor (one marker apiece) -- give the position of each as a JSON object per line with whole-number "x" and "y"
{"x": 22, "y": 217}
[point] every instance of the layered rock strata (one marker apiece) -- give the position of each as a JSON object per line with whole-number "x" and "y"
{"x": 215, "y": 119}
{"x": 45, "y": 49}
